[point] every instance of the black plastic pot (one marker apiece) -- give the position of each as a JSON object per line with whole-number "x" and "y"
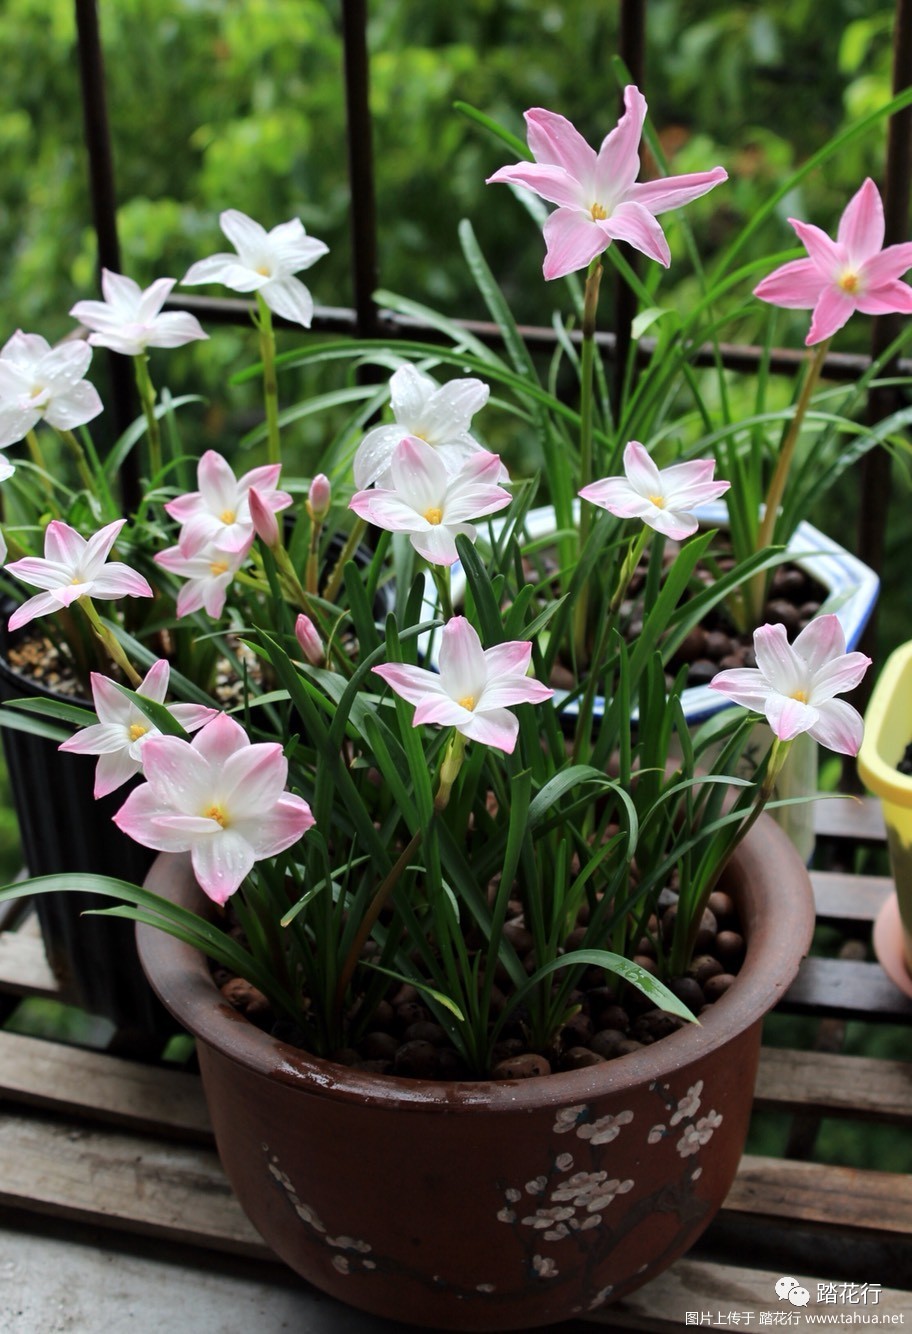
{"x": 63, "y": 828}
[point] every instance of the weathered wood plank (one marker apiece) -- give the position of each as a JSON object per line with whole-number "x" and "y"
{"x": 175, "y": 1191}
{"x": 850, "y": 817}
{"x": 103, "y": 1088}
{"x": 847, "y": 1198}
{"x": 846, "y": 989}
{"x": 850, "y": 898}
{"x": 826, "y": 1084}
{"x": 723, "y": 1291}
{"x": 24, "y": 969}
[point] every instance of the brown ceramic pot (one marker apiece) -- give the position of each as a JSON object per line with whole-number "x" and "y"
{"x": 490, "y": 1205}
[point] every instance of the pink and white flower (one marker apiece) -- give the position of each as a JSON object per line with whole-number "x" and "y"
{"x": 663, "y": 498}
{"x": 130, "y": 320}
{"x": 795, "y": 685}
{"x": 219, "y": 798}
{"x": 598, "y": 196}
{"x": 438, "y": 414}
{"x": 475, "y": 687}
{"x": 431, "y": 504}
{"x": 73, "y": 567}
{"x": 122, "y": 730}
{"x": 218, "y": 514}
{"x": 209, "y": 574}
{"x": 854, "y": 272}
{"x": 38, "y": 382}
{"x": 264, "y": 262}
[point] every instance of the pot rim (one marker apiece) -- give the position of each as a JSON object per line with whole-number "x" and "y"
{"x": 766, "y": 876}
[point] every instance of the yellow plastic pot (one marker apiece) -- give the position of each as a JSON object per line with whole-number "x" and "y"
{"x": 888, "y": 730}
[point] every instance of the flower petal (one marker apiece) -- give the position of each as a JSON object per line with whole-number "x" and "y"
{"x": 499, "y": 729}
{"x": 743, "y": 685}
{"x": 839, "y": 727}
{"x": 289, "y": 298}
{"x": 549, "y": 182}
{"x": 555, "y": 141}
{"x": 794, "y": 286}
{"x": 861, "y": 227}
{"x": 778, "y": 661}
{"x": 834, "y": 309}
{"x": 675, "y": 191}
{"x": 463, "y": 670}
{"x": 618, "y": 162}
{"x": 790, "y": 717}
{"x": 633, "y": 223}
{"x": 221, "y": 863}
{"x": 572, "y": 240}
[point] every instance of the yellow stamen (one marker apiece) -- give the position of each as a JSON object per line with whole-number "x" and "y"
{"x": 218, "y": 567}
{"x": 216, "y": 813}
{"x": 228, "y": 516}
{"x": 137, "y": 730}
{"x": 37, "y": 391}
{"x": 264, "y": 270}
{"x": 800, "y": 696}
{"x": 849, "y": 283}
{"x": 467, "y": 702}
{"x": 658, "y": 501}
{"x": 434, "y": 515}
{"x": 599, "y": 214}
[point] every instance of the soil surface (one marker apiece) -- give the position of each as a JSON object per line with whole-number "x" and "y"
{"x": 609, "y": 1018}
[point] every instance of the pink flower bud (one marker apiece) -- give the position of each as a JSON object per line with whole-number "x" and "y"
{"x": 310, "y": 641}
{"x": 320, "y": 497}
{"x": 264, "y": 520}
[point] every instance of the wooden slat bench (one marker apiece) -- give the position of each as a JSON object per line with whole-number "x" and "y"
{"x": 115, "y": 1214}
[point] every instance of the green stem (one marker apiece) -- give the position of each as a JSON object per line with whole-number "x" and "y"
{"x": 587, "y": 361}
{"x": 40, "y": 463}
{"x": 441, "y": 577}
{"x": 270, "y": 383}
{"x": 352, "y": 543}
{"x": 111, "y": 645}
{"x": 312, "y": 569}
{"x": 147, "y": 399}
{"x": 631, "y": 561}
{"x": 82, "y": 463}
{"x": 779, "y": 479}
{"x": 684, "y": 941}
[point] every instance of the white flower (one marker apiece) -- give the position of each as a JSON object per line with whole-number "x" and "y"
{"x": 605, "y": 1129}
{"x": 567, "y": 1119}
{"x": 129, "y": 319}
{"x": 38, "y": 382}
{"x": 689, "y": 1104}
{"x": 544, "y": 1266}
{"x": 664, "y": 499}
{"x": 696, "y": 1136}
{"x": 218, "y": 513}
{"x": 438, "y": 414}
{"x": 264, "y": 263}
{"x": 122, "y": 728}
{"x": 656, "y": 1134}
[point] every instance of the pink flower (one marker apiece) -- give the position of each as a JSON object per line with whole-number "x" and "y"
{"x": 219, "y": 512}
{"x": 439, "y": 414}
{"x": 209, "y": 573}
{"x": 599, "y": 199}
{"x": 319, "y": 498}
{"x": 474, "y": 688}
{"x": 795, "y": 685}
{"x": 263, "y": 519}
{"x": 72, "y": 568}
{"x": 128, "y": 320}
{"x": 431, "y": 504}
{"x": 219, "y": 798}
{"x": 664, "y": 499}
{"x": 854, "y": 272}
{"x": 122, "y": 730}
{"x": 309, "y": 639}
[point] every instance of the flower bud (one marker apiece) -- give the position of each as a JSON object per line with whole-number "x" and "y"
{"x": 310, "y": 641}
{"x": 264, "y": 520}
{"x": 319, "y": 498}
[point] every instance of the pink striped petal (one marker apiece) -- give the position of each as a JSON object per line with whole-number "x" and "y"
{"x": 116, "y": 580}
{"x": 274, "y": 831}
{"x": 509, "y": 659}
{"x": 675, "y": 191}
{"x": 888, "y": 298}
{"x": 256, "y": 774}
{"x": 777, "y": 659}
{"x": 633, "y": 223}
{"x": 437, "y": 543}
{"x": 555, "y": 141}
{"x": 441, "y": 711}
{"x": 861, "y": 227}
{"x": 412, "y": 683}
{"x": 462, "y": 661}
{"x": 886, "y": 266}
{"x": 746, "y": 686}
{"x": 618, "y": 162}
{"x": 827, "y": 254}
{"x": 833, "y": 310}
{"x": 219, "y": 740}
{"x": 839, "y": 727}
{"x": 790, "y": 717}
{"x": 551, "y": 183}
{"x": 40, "y": 605}
{"x": 836, "y": 677}
{"x": 499, "y": 729}
{"x": 642, "y": 473}
{"x": 794, "y": 286}
{"x": 821, "y": 640}
{"x": 572, "y": 240}
{"x": 221, "y": 863}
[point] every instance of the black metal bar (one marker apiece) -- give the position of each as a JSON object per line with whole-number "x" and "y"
{"x": 360, "y": 165}
{"x": 632, "y": 50}
{"x": 839, "y": 366}
{"x": 123, "y": 405}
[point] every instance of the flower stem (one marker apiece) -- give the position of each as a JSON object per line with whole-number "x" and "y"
{"x": 449, "y": 770}
{"x": 147, "y": 399}
{"x": 270, "y": 383}
{"x": 312, "y": 569}
{"x": 112, "y": 647}
{"x": 587, "y": 360}
{"x": 778, "y": 481}
{"x": 82, "y": 464}
{"x": 628, "y": 568}
{"x": 351, "y": 546}
{"x": 441, "y": 577}
{"x": 39, "y": 461}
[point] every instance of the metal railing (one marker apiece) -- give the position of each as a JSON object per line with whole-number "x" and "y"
{"x": 365, "y": 319}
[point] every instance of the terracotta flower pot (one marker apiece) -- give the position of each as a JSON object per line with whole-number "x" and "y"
{"x": 490, "y": 1205}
